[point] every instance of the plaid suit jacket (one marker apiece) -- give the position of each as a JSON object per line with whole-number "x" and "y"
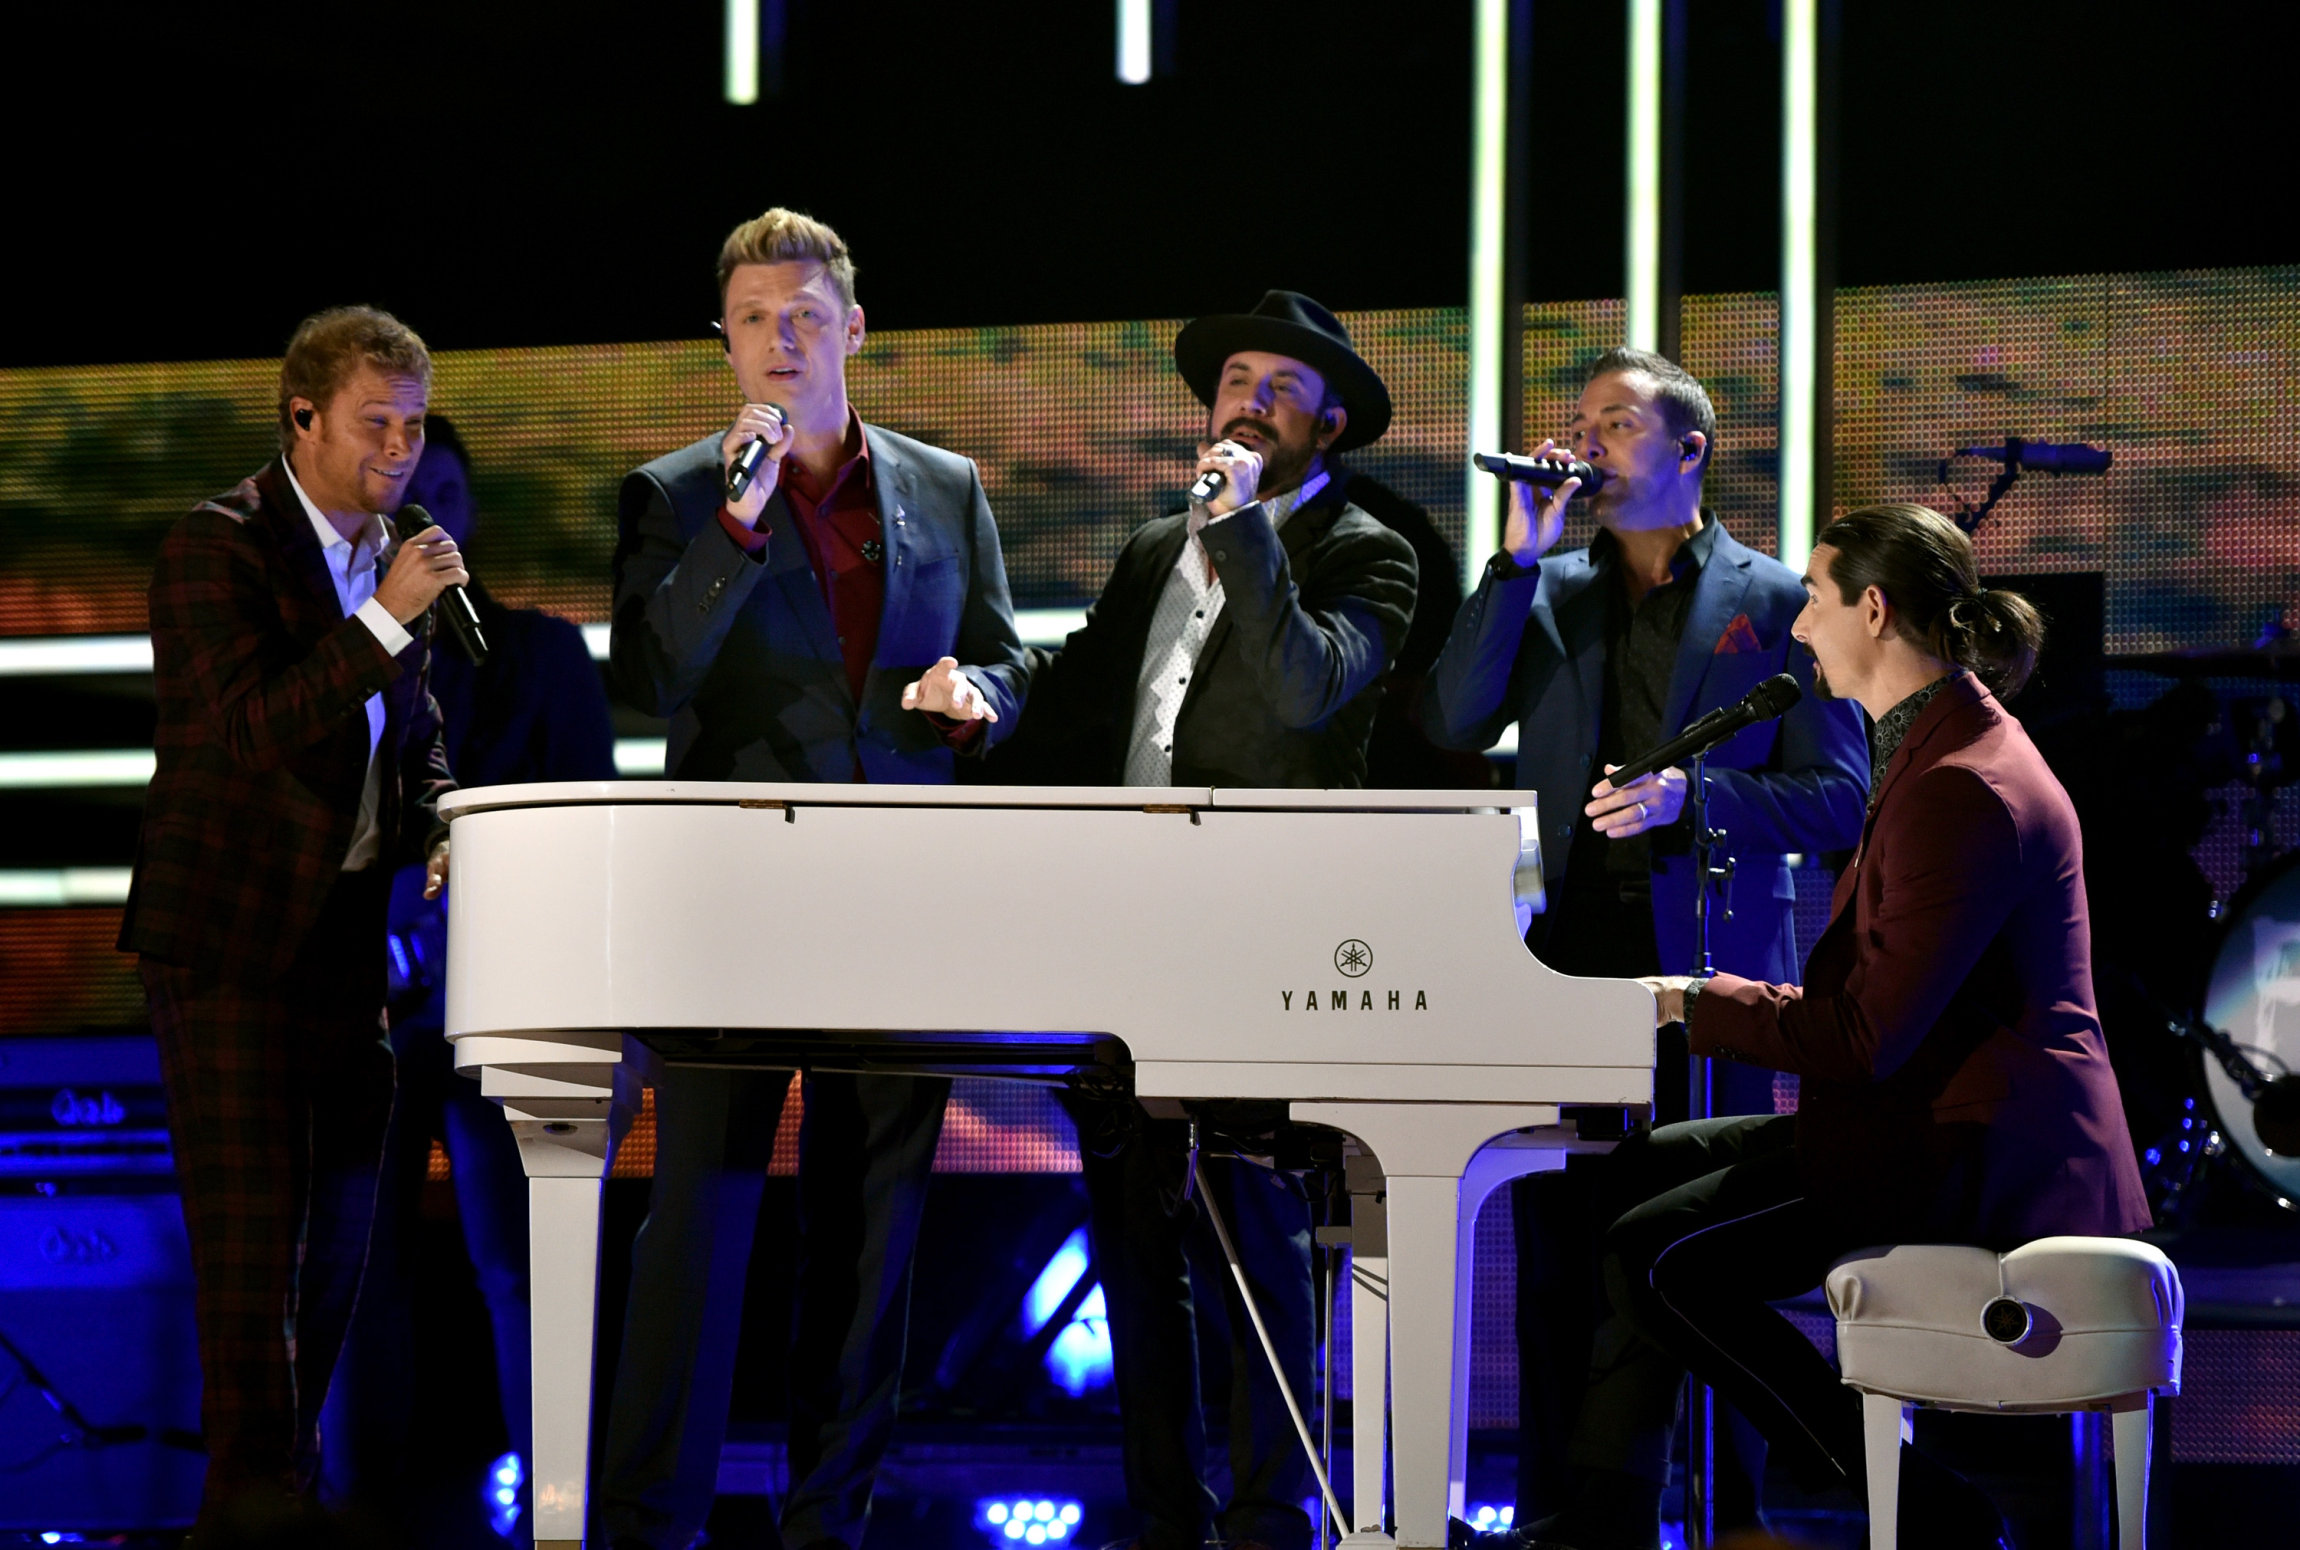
{"x": 261, "y": 683}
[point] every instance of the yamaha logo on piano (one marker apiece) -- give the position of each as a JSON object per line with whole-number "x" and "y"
{"x": 1354, "y": 959}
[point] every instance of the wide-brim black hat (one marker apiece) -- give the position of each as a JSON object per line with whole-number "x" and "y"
{"x": 1289, "y": 323}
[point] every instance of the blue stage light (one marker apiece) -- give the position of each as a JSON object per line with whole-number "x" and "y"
{"x": 1488, "y": 1518}
{"x": 1028, "y": 1520}
{"x": 501, "y": 1493}
{"x": 1078, "y": 1358}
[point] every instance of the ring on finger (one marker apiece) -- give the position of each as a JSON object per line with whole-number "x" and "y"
{"x": 1641, "y": 812}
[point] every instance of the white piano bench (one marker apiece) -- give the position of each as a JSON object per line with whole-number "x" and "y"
{"x": 2059, "y": 1326}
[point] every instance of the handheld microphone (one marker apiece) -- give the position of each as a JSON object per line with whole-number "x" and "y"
{"x": 745, "y": 468}
{"x": 455, "y": 603}
{"x": 2045, "y": 457}
{"x": 1526, "y": 470}
{"x": 1208, "y": 485}
{"x": 1769, "y": 699}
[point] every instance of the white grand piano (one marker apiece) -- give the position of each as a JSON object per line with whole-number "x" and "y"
{"x": 1357, "y": 954}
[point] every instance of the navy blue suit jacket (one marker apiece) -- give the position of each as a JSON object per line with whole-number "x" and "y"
{"x": 741, "y": 652}
{"x": 1531, "y": 649}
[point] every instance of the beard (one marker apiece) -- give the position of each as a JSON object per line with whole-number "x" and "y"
{"x": 1821, "y": 689}
{"x": 1284, "y": 464}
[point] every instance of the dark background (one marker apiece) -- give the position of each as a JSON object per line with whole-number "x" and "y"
{"x": 188, "y": 180}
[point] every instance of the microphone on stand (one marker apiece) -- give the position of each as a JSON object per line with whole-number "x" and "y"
{"x": 454, "y": 603}
{"x": 1769, "y": 699}
{"x": 1548, "y": 475}
{"x": 745, "y": 468}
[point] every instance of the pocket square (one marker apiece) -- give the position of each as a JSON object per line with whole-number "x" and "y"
{"x": 1739, "y": 636}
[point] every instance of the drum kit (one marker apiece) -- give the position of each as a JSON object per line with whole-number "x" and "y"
{"x": 2243, "y": 1122}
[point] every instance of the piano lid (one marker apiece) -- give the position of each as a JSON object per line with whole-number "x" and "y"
{"x": 724, "y": 793}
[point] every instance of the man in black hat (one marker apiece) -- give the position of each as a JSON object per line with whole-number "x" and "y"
{"x": 1240, "y": 642}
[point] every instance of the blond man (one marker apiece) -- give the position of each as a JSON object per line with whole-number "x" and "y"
{"x": 807, "y": 597}
{"x": 299, "y": 763}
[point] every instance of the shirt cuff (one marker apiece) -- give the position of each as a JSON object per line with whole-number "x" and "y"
{"x": 957, "y": 734}
{"x": 751, "y": 540}
{"x": 389, "y": 632}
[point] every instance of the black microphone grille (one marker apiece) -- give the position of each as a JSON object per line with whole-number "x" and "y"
{"x": 412, "y": 519}
{"x": 1775, "y": 695}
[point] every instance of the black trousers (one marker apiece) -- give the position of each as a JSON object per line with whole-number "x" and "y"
{"x": 1557, "y": 1221}
{"x": 1710, "y": 1224}
{"x": 865, "y": 1151}
{"x": 1169, "y": 1290}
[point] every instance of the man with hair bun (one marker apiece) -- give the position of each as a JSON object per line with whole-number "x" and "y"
{"x": 1956, "y": 1088}
{"x": 299, "y": 762}
{"x": 841, "y": 617}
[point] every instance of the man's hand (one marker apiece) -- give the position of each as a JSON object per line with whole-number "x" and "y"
{"x": 946, "y": 691}
{"x": 425, "y": 566}
{"x": 1648, "y": 802}
{"x": 1535, "y": 524}
{"x": 1241, "y": 472}
{"x": 435, "y": 872}
{"x": 757, "y": 422}
{"x": 1668, "y": 997}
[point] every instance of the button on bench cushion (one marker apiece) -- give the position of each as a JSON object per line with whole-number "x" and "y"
{"x": 2104, "y": 1321}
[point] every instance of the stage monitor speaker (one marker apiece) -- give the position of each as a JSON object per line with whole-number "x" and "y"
{"x": 99, "y": 1363}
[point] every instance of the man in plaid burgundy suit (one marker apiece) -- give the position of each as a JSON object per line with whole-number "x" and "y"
{"x": 299, "y": 763}
{"x": 1598, "y": 655}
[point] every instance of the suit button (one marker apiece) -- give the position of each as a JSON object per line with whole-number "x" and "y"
{"x": 1221, "y": 554}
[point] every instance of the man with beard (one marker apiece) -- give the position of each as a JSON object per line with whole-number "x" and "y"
{"x": 1598, "y": 655}
{"x": 1238, "y": 643}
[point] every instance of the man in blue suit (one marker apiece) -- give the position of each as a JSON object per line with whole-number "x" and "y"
{"x": 1597, "y": 655}
{"x": 843, "y": 618}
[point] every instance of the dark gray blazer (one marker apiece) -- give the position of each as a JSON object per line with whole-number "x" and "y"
{"x": 1285, "y": 687}
{"x": 1530, "y": 648}
{"x": 741, "y": 654}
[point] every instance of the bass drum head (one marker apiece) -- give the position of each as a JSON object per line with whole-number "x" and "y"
{"x": 2254, "y": 997}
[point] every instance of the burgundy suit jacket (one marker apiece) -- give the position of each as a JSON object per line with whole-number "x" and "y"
{"x": 1955, "y": 1085}
{"x": 262, "y": 683}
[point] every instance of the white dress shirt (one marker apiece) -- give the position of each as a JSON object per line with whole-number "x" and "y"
{"x": 352, "y": 567}
{"x": 1187, "y": 609}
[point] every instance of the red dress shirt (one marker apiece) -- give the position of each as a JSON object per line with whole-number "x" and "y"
{"x": 839, "y": 528}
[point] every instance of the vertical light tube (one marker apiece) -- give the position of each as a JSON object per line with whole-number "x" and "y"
{"x": 1800, "y": 274}
{"x": 1489, "y": 144}
{"x": 1641, "y": 201}
{"x": 1134, "y": 57}
{"x": 742, "y": 52}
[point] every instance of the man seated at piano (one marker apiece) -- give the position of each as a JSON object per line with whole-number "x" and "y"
{"x": 1240, "y": 643}
{"x": 1956, "y": 1086}
{"x": 808, "y": 598}
{"x": 1597, "y": 655}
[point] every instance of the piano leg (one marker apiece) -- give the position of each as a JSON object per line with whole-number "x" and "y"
{"x": 566, "y": 1122}
{"x": 1424, "y": 1150}
{"x": 1369, "y": 1353}
{"x": 1488, "y": 1171}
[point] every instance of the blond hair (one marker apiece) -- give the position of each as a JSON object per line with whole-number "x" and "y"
{"x": 783, "y": 236}
{"x": 329, "y": 346}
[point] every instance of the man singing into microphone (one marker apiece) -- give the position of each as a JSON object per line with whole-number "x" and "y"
{"x": 1238, "y": 643}
{"x": 1599, "y": 655}
{"x": 809, "y": 627}
{"x": 299, "y": 762}
{"x": 1956, "y": 1087}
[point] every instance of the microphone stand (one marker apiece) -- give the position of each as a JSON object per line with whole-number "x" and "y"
{"x": 1700, "y": 1102}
